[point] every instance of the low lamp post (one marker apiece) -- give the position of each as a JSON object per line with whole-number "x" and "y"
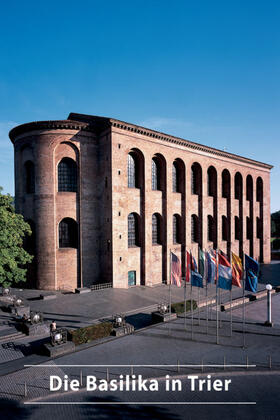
{"x": 268, "y": 322}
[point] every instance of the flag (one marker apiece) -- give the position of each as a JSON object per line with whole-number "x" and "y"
{"x": 175, "y": 270}
{"x": 211, "y": 266}
{"x": 252, "y": 272}
{"x": 237, "y": 270}
{"x": 201, "y": 262}
{"x": 224, "y": 272}
{"x": 188, "y": 266}
{"x": 196, "y": 278}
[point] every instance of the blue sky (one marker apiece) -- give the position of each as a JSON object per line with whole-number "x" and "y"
{"x": 207, "y": 71}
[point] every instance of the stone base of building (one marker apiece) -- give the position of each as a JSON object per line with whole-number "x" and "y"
{"x": 126, "y": 329}
{"x": 158, "y": 317}
{"x": 59, "y": 349}
{"x": 20, "y": 310}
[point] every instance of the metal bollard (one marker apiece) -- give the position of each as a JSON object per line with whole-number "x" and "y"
{"x": 25, "y": 389}
{"x": 107, "y": 375}
{"x": 131, "y": 370}
{"x": 224, "y": 362}
{"x": 81, "y": 378}
{"x": 269, "y": 362}
{"x": 178, "y": 366}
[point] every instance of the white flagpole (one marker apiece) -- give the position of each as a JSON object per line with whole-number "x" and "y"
{"x": 217, "y": 303}
{"x": 191, "y": 294}
{"x": 170, "y": 291}
{"x": 244, "y": 276}
{"x": 185, "y": 302}
{"x": 231, "y": 297}
{"x": 206, "y": 293}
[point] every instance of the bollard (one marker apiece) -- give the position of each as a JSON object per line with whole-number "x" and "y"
{"x": 107, "y": 375}
{"x": 224, "y": 362}
{"x": 247, "y": 362}
{"x": 201, "y": 365}
{"x": 81, "y": 378}
{"x": 25, "y": 389}
{"x": 178, "y": 366}
{"x": 269, "y": 362}
{"x": 131, "y": 370}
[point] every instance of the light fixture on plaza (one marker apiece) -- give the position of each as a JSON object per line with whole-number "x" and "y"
{"x": 163, "y": 308}
{"x": 36, "y": 317}
{"x": 5, "y": 291}
{"x": 268, "y": 322}
{"x": 119, "y": 320}
{"x": 59, "y": 337}
{"x": 18, "y": 302}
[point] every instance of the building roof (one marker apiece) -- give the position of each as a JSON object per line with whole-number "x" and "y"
{"x": 98, "y": 124}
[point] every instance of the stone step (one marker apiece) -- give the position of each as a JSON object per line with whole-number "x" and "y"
{"x": 11, "y": 337}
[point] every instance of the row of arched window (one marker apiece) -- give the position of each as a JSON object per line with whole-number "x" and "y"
{"x": 67, "y": 176}
{"x": 178, "y": 175}
{"x": 157, "y": 229}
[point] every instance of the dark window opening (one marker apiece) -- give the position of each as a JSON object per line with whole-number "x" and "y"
{"x": 225, "y": 232}
{"x": 29, "y": 177}
{"x": 156, "y": 226}
{"x": 225, "y": 184}
{"x": 68, "y": 233}
{"x": 155, "y": 175}
{"x": 238, "y": 186}
{"x": 176, "y": 229}
{"x": 175, "y": 178}
{"x": 249, "y": 188}
{"x": 212, "y": 181}
{"x": 259, "y": 190}
{"x": 211, "y": 226}
{"x": 67, "y": 175}
{"x": 194, "y": 229}
{"x": 133, "y": 230}
{"x": 131, "y": 171}
{"x": 237, "y": 228}
{"x": 196, "y": 179}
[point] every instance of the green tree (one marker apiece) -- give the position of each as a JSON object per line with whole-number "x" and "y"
{"x": 13, "y": 230}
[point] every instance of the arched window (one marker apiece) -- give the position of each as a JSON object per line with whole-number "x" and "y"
{"x": 238, "y": 186}
{"x": 196, "y": 173}
{"x": 67, "y": 175}
{"x": 249, "y": 188}
{"x": 29, "y": 242}
{"x": 156, "y": 227}
{"x": 237, "y": 228}
{"x": 175, "y": 178}
{"x": 194, "y": 228}
{"x": 176, "y": 229}
{"x": 68, "y": 233}
{"x": 225, "y": 184}
{"x": 133, "y": 230}
{"x": 249, "y": 228}
{"x": 131, "y": 171}
{"x": 212, "y": 181}
{"x": 259, "y": 228}
{"x": 210, "y": 229}
{"x": 155, "y": 174}
{"x": 225, "y": 228}
{"x": 29, "y": 177}
{"x": 259, "y": 189}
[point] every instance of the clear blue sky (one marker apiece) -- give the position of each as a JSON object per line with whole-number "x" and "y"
{"x": 208, "y": 71}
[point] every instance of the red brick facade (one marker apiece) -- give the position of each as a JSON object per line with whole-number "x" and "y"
{"x": 226, "y": 196}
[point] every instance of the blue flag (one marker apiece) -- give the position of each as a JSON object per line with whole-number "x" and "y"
{"x": 196, "y": 278}
{"x": 252, "y": 271}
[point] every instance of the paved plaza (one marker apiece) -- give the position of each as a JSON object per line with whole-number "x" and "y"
{"x": 185, "y": 341}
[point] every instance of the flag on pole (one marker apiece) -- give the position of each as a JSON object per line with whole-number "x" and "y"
{"x": 201, "y": 262}
{"x": 188, "y": 266}
{"x": 211, "y": 266}
{"x": 175, "y": 270}
{"x": 252, "y": 271}
{"x": 237, "y": 270}
{"x": 196, "y": 278}
{"x": 225, "y": 272}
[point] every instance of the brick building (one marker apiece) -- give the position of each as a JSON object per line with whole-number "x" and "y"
{"x": 107, "y": 200}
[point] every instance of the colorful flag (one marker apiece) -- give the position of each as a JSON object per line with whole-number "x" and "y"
{"x": 188, "y": 266}
{"x": 224, "y": 272}
{"x": 201, "y": 262}
{"x": 196, "y": 278}
{"x": 237, "y": 270}
{"x": 252, "y": 272}
{"x": 175, "y": 270}
{"x": 211, "y": 266}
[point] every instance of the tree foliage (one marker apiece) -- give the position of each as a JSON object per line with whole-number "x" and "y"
{"x": 13, "y": 230}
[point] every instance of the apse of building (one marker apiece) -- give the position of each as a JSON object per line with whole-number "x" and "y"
{"x": 107, "y": 201}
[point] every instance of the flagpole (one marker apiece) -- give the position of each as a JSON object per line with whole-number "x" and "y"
{"x": 170, "y": 266}
{"x": 192, "y": 310}
{"x": 217, "y": 279}
{"x": 206, "y": 293}
{"x": 244, "y": 271}
{"x": 231, "y": 297}
{"x": 185, "y": 303}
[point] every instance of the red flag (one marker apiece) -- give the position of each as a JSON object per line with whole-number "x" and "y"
{"x": 188, "y": 266}
{"x": 223, "y": 259}
{"x": 175, "y": 270}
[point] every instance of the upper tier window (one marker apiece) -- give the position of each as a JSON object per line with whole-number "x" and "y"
{"x": 67, "y": 175}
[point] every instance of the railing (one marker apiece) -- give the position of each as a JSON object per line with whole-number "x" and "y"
{"x": 101, "y": 286}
